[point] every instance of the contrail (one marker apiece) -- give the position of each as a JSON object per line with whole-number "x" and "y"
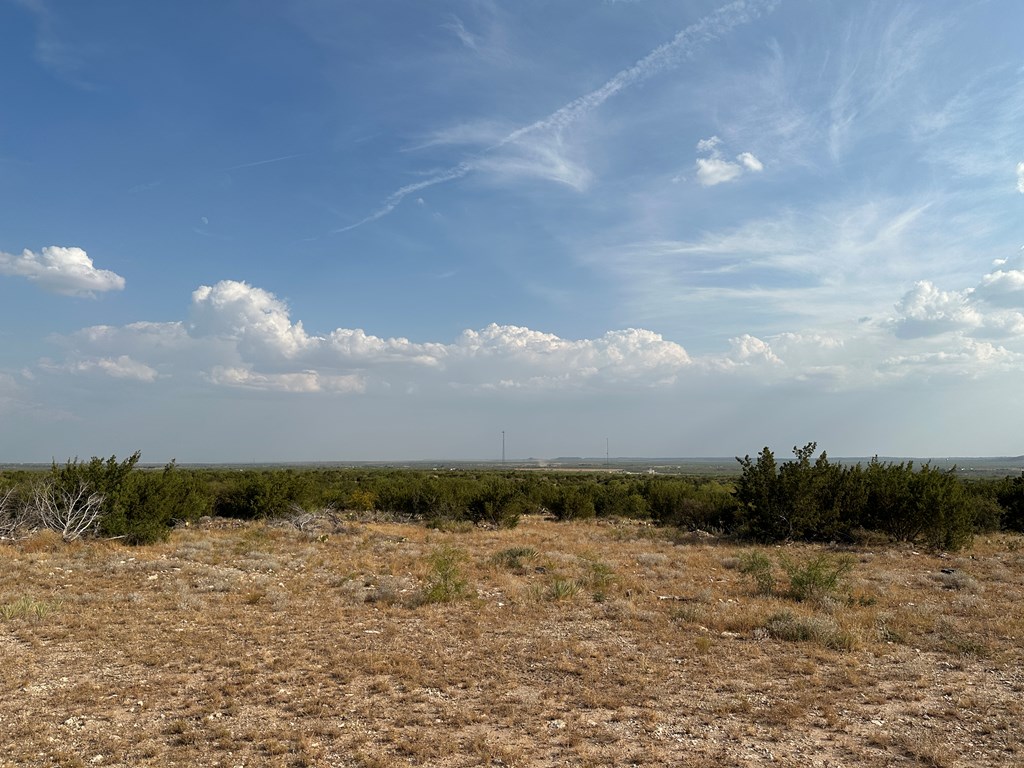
{"x": 261, "y": 162}
{"x": 663, "y": 58}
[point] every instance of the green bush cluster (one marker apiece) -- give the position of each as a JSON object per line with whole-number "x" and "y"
{"x": 805, "y": 498}
{"x": 820, "y": 500}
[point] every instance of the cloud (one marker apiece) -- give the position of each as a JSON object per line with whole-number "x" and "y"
{"x": 467, "y": 38}
{"x": 515, "y": 356}
{"x": 1002, "y": 288}
{"x": 927, "y": 311}
{"x": 51, "y": 50}
{"x": 750, "y": 162}
{"x": 715, "y": 169}
{"x": 122, "y": 367}
{"x": 1020, "y": 178}
{"x": 665, "y": 57}
{"x": 302, "y": 381}
{"x": 967, "y": 357}
{"x": 67, "y": 271}
{"x": 748, "y": 350}
{"x": 241, "y": 336}
{"x": 255, "y": 318}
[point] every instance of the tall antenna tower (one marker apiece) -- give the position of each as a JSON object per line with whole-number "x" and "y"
{"x": 503, "y": 446}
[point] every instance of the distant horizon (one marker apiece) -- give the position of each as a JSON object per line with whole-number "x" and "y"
{"x": 596, "y": 461}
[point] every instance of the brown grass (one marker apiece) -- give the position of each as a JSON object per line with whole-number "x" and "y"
{"x": 586, "y": 644}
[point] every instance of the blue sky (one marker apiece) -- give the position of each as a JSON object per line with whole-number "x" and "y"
{"x": 385, "y": 229}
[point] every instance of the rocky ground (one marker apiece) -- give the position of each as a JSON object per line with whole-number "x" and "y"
{"x": 360, "y": 643}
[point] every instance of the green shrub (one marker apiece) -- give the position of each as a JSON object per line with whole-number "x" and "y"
{"x": 572, "y": 503}
{"x": 818, "y": 578}
{"x": 258, "y": 495}
{"x": 149, "y": 503}
{"x": 446, "y": 582}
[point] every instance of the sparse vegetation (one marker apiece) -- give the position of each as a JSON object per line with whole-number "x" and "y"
{"x": 806, "y": 499}
{"x": 601, "y": 642}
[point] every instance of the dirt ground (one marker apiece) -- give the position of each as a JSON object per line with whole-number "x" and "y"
{"x": 358, "y": 643}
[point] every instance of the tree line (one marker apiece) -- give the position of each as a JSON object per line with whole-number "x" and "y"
{"x": 804, "y": 498}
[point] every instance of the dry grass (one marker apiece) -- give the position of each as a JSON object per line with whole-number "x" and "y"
{"x": 589, "y": 644}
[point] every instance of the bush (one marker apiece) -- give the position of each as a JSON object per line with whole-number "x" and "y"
{"x": 149, "y": 503}
{"x": 819, "y": 578}
{"x": 572, "y": 503}
{"x": 446, "y": 582}
{"x": 257, "y": 495}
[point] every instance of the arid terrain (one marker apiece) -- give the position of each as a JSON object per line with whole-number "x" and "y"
{"x": 373, "y": 643}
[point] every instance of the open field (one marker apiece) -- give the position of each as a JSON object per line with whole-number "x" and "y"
{"x": 368, "y": 643}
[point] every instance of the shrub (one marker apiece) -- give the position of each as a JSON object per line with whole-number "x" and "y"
{"x": 818, "y": 578}
{"x": 446, "y": 582}
{"x": 148, "y": 504}
{"x": 257, "y": 495}
{"x": 572, "y": 503}
{"x": 815, "y": 629}
{"x": 497, "y": 501}
{"x": 1010, "y": 496}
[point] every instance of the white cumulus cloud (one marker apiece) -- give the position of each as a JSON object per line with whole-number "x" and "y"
{"x": 716, "y": 169}
{"x": 927, "y": 311}
{"x": 67, "y": 271}
{"x": 1002, "y": 288}
{"x": 1020, "y": 178}
{"x": 255, "y": 318}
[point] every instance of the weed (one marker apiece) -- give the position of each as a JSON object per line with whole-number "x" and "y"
{"x": 786, "y": 625}
{"x": 758, "y": 566}
{"x": 600, "y": 578}
{"x": 561, "y": 589}
{"x": 446, "y": 582}
{"x": 818, "y": 578}
{"x": 26, "y": 607}
{"x": 515, "y": 558}
{"x": 957, "y": 580}
{"x": 889, "y": 631}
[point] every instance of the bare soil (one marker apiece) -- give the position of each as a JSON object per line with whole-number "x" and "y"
{"x": 594, "y": 644}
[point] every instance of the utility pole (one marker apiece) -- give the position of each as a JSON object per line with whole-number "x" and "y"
{"x": 607, "y": 454}
{"x": 503, "y": 447}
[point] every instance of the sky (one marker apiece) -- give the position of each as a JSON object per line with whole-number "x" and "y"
{"x": 311, "y": 230}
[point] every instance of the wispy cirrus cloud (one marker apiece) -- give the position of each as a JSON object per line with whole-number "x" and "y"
{"x": 52, "y": 50}
{"x": 666, "y": 57}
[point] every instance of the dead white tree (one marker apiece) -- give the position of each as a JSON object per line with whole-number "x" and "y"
{"x": 71, "y": 513}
